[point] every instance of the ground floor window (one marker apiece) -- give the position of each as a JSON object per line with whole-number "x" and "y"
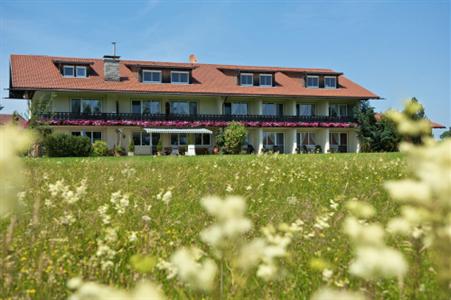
{"x": 306, "y": 139}
{"x": 338, "y": 141}
{"x": 178, "y": 139}
{"x": 141, "y": 138}
{"x": 273, "y": 141}
{"x": 202, "y": 139}
{"x": 92, "y": 135}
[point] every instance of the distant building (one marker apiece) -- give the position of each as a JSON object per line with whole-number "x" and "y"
{"x": 286, "y": 110}
{"x": 13, "y": 118}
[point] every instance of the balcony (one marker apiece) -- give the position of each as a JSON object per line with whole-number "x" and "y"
{"x": 68, "y": 116}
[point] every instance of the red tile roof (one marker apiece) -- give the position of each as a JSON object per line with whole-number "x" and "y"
{"x": 8, "y": 118}
{"x": 33, "y": 72}
{"x": 434, "y": 125}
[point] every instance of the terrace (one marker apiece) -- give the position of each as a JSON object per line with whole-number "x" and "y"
{"x": 68, "y": 116}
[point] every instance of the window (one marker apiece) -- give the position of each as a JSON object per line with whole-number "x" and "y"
{"x": 150, "y": 76}
{"x": 338, "y": 110}
{"x": 273, "y": 141}
{"x": 178, "y": 139}
{"x": 272, "y": 109}
{"x": 247, "y": 79}
{"x": 92, "y": 135}
{"x": 265, "y": 79}
{"x": 86, "y": 106}
{"x": 179, "y": 77}
{"x": 306, "y": 138}
{"x": 75, "y": 71}
{"x": 305, "y": 109}
{"x": 68, "y": 71}
{"x": 141, "y": 138}
{"x": 239, "y": 108}
{"x": 145, "y": 107}
{"x": 312, "y": 81}
{"x": 338, "y": 141}
{"x": 202, "y": 139}
{"x": 330, "y": 82}
{"x": 183, "y": 108}
{"x": 81, "y": 71}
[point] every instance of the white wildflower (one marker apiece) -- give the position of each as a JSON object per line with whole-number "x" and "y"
{"x": 333, "y": 294}
{"x": 373, "y": 262}
{"x": 166, "y": 198}
{"x": 199, "y": 275}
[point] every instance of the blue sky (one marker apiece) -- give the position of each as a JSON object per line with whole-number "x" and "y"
{"x": 397, "y": 49}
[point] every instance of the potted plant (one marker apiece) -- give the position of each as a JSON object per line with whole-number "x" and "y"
{"x": 131, "y": 148}
{"x": 159, "y": 147}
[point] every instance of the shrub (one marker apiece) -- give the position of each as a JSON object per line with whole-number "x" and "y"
{"x": 119, "y": 151}
{"x": 131, "y": 146}
{"x": 234, "y": 137}
{"x": 99, "y": 148}
{"x": 60, "y": 145}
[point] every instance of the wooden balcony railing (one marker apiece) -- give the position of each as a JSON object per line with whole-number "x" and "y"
{"x": 195, "y": 117}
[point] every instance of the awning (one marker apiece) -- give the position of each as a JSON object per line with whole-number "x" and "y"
{"x": 178, "y": 130}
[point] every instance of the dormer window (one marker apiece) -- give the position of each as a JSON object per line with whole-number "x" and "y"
{"x": 246, "y": 79}
{"x": 266, "y": 80}
{"x": 312, "y": 81}
{"x": 80, "y": 71}
{"x": 330, "y": 82}
{"x": 75, "y": 71}
{"x": 68, "y": 71}
{"x": 179, "y": 77}
{"x": 151, "y": 76}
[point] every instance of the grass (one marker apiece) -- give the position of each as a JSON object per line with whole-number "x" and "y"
{"x": 43, "y": 254}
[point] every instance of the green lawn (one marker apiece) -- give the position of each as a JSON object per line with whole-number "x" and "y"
{"x": 43, "y": 253}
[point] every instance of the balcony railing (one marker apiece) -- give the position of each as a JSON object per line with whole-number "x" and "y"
{"x": 196, "y": 117}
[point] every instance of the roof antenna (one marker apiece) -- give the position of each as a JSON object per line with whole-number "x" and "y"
{"x": 114, "y": 48}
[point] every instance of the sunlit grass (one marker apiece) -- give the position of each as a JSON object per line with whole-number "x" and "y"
{"x": 44, "y": 254}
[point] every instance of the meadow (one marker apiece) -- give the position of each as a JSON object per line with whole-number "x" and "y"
{"x": 99, "y": 234}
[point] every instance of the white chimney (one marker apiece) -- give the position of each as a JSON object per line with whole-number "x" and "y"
{"x": 192, "y": 59}
{"x": 111, "y": 68}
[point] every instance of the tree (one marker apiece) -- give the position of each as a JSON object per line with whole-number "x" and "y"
{"x": 446, "y": 134}
{"x": 234, "y": 137}
{"x": 376, "y": 135}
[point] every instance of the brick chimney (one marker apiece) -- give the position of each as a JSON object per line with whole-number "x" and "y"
{"x": 111, "y": 68}
{"x": 192, "y": 59}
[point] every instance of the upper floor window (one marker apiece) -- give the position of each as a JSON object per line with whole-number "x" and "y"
{"x": 235, "y": 108}
{"x": 180, "y": 77}
{"x": 247, "y": 79}
{"x": 86, "y": 106}
{"x": 338, "y": 110}
{"x": 145, "y": 107}
{"x": 151, "y": 76}
{"x": 183, "y": 108}
{"x": 305, "y": 109}
{"x": 265, "y": 79}
{"x": 272, "y": 109}
{"x": 312, "y": 81}
{"x": 330, "y": 82}
{"x": 75, "y": 71}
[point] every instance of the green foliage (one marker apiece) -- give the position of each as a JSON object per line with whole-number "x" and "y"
{"x": 277, "y": 188}
{"x": 99, "y": 148}
{"x": 118, "y": 150}
{"x": 39, "y": 107}
{"x": 375, "y": 135}
{"x": 131, "y": 146}
{"x": 143, "y": 264}
{"x": 234, "y": 137}
{"x": 446, "y": 134}
{"x": 159, "y": 146}
{"x": 61, "y": 145}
